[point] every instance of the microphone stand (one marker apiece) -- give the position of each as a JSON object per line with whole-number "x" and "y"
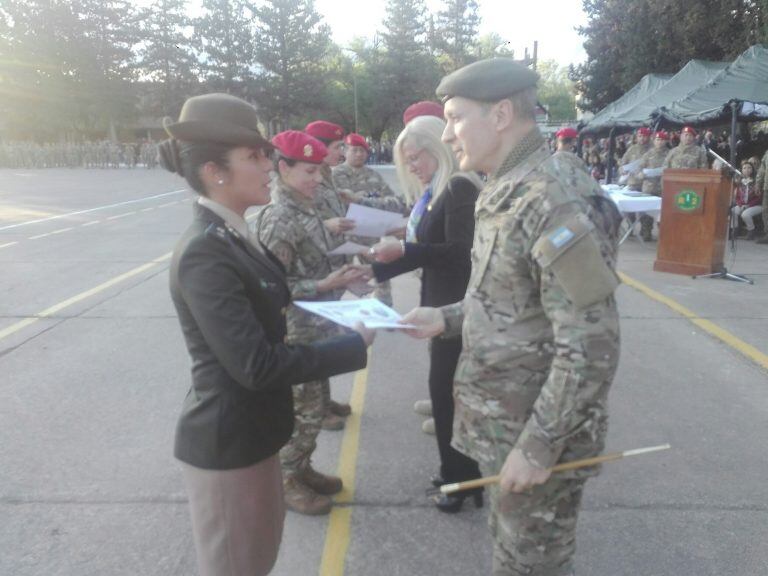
{"x": 732, "y": 227}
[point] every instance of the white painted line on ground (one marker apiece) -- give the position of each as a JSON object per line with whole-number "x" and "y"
{"x": 63, "y": 230}
{"x": 48, "y": 312}
{"x": 7, "y": 244}
{"x": 167, "y": 204}
{"x": 148, "y": 209}
{"x": 39, "y": 236}
{"x": 91, "y": 223}
{"x": 68, "y": 214}
{"x": 116, "y": 216}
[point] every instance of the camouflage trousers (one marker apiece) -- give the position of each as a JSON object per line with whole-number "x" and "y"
{"x": 534, "y": 533}
{"x": 309, "y": 406}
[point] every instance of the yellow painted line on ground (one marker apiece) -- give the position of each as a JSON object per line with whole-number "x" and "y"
{"x": 708, "y": 326}
{"x": 61, "y": 230}
{"x": 123, "y": 215}
{"x": 337, "y": 534}
{"x": 48, "y": 312}
{"x": 91, "y": 223}
{"x": 7, "y": 244}
{"x": 39, "y": 236}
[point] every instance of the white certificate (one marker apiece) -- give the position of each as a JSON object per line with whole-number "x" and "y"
{"x": 369, "y": 311}
{"x": 372, "y": 221}
{"x": 631, "y": 166}
{"x": 652, "y": 172}
{"x": 348, "y": 249}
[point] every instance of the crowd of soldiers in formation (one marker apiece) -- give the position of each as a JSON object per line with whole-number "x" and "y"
{"x": 87, "y": 154}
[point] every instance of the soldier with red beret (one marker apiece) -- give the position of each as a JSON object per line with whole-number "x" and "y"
{"x": 566, "y": 139}
{"x": 688, "y": 154}
{"x": 360, "y": 184}
{"x": 633, "y": 154}
{"x": 292, "y": 228}
{"x": 332, "y": 210}
{"x": 654, "y": 158}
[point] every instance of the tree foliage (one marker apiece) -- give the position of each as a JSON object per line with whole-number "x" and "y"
{"x": 453, "y": 33}
{"x": 291, "y": 45}
{"x": 626, "y": 39}
{"x": 167, "y": 62}
{"x": 224, "y": 38}
{"x": 556, "y": 91}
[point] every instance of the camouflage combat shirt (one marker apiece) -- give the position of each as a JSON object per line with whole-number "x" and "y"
{"x": 535, "y": 369}
{"x": 293, "y": 230}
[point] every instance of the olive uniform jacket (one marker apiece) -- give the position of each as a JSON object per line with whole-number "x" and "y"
{"x": 230, "y": 299}
{"x": 444, "y": 246}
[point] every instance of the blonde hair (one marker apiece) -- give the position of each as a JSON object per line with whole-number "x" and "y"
{"x": 424, "y": 132}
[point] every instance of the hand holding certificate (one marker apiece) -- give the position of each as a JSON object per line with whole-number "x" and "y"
{"x": 348, "y": 249}
{"x": 373, "y": 222}
{"x": 369, "y": 311}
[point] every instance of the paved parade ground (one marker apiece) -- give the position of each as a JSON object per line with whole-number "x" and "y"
{"x": 93, "y": 371}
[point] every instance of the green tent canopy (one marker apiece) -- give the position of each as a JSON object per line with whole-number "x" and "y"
{"x": 607, "y": 117}
{"x": 743, "y": 82}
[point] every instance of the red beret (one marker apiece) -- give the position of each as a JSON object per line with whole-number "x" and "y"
{"x": 353, "y": 139}
{"x": 661, "y": 134}
{"x": 644, "y": 131}
{"x": 567, "y": 132}
{"x": 423, "y": 108}
{"x": 325, "y": 130}
{"x": 689, "y": 130}
{"x": 299, "y": 146}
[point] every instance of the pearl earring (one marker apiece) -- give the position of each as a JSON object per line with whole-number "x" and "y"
{"x": 220, "y": 182}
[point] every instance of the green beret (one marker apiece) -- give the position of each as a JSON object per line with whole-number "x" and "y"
{"x": 487, "y": 80}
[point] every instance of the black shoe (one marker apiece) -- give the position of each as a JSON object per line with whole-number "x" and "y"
{"x": 452, "y": 503}
{"x": 437, "y": 481}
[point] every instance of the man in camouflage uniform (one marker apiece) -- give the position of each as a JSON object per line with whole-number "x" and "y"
{"x": 654, "y": 158}
{"x": 291, "y": 228}
{"x": 539, "y": 320}
{"x": 360, "y": 184}
{"x": 635, "y": 152}
{"x": 688, "y": 154}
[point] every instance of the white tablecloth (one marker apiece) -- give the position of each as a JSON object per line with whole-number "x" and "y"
{"x": 626, "y": 203}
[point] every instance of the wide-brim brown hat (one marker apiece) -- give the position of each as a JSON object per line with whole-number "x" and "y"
{"x": 219, "y": 118}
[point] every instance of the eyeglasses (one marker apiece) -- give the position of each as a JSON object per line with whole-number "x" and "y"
{"x": 413, "y": 158}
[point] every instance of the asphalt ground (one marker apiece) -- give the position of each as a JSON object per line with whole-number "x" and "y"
{"x": 93, "y": 371}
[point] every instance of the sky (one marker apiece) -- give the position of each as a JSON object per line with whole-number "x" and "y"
{"x": 520, "y": 22}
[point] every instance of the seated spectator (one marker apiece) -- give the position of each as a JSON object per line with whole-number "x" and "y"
{"x": 596, "y": 166}
{"x": 748, "y": 201}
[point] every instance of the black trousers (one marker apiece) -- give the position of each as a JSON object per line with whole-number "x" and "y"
{"x": 443, "y": 358}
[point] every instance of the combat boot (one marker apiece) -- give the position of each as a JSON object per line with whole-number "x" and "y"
{"x": 332, "y": 422}
{"x": 320, "y": 483}
{"x": 339, "y": 409}
{"x": 302, "y": 499}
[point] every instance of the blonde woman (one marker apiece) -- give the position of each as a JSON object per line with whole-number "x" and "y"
{"x": 439, "y": 241}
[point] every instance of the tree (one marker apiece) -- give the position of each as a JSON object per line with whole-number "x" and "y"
{"x": 291, "y": 44}
{"x": 492, "y": 45}
{"x": 224, "y": 36}
{"x": 454, "y": 33}
{"x": 66, "y": 67}
{"x": 167, "y": 61}
{"x": 626, "y": 39}
{"x": 408, "y": 73}
{"x": 556, "y": 91}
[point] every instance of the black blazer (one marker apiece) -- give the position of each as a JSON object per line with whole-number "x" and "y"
{"x": 444, "y": 246}
{"x": 231, "y": 299}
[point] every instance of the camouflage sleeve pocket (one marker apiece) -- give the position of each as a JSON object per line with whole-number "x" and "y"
{"x": 571, "y": 252}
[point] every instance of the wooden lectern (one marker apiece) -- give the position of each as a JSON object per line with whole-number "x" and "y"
{"x": 694, "y": 222}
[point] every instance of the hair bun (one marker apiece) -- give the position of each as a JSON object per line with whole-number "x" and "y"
{"x": 168, "y": 155}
